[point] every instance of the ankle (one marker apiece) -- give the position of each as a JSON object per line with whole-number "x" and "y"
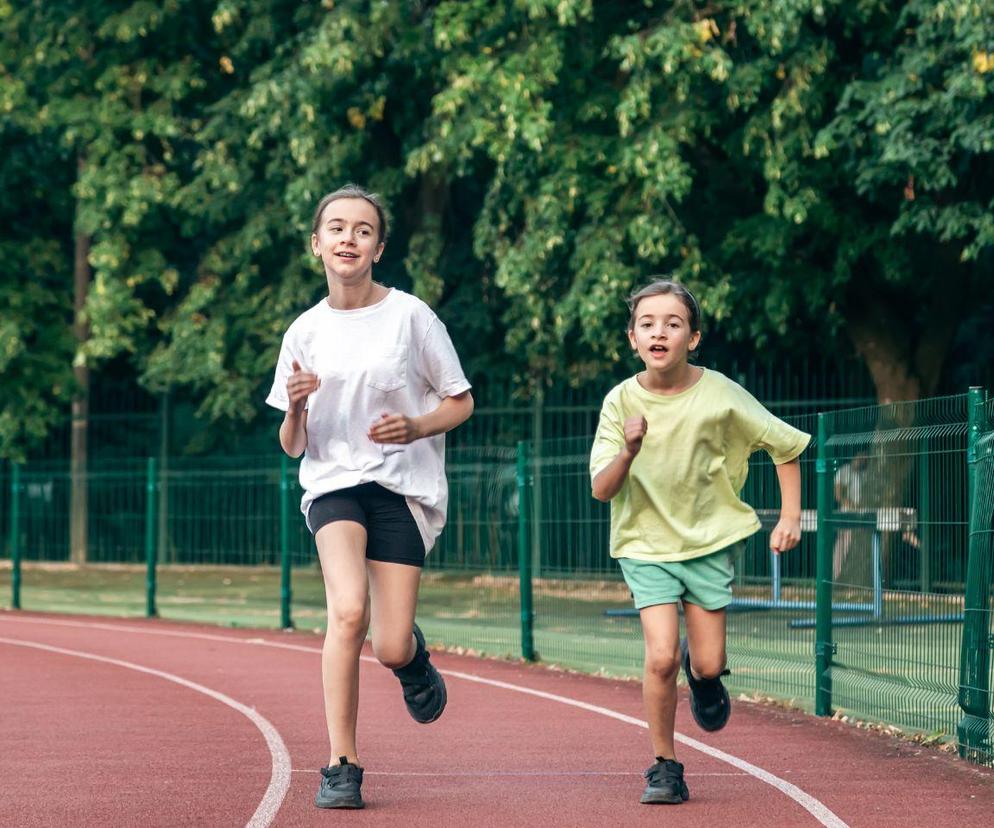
{"x": 345, "y": 759}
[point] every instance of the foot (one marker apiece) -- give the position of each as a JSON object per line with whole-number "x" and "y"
{"x": 424, "y": 690}
{"x": 340, "y": 786}
{"x": 665, "y": 785}
{"x": 709, "y": 702}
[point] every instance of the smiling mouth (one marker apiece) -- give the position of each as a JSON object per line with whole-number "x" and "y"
{"x": 345, "y": 255}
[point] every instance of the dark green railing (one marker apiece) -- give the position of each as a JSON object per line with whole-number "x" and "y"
{"x": 883, "y": 612}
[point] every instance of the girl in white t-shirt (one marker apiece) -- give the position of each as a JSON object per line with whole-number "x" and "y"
{"x": 370, "y": 383}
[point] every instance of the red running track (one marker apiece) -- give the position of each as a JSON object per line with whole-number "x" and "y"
{"x": 107, "y": 722}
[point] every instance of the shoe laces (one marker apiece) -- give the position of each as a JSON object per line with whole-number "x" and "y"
{"x": 665, "y": 770}
{"x": 342, "y": 773}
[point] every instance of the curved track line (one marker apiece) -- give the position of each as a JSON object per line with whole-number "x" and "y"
{"x": 815, "y": 807}
{"x": 279, "y": 781}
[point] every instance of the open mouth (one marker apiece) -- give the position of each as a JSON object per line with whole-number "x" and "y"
{"x": 658, "y": 350}
{"x": 346, "y": 255}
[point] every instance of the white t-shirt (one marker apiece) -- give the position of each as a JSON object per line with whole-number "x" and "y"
{"x": 392, "y": 357}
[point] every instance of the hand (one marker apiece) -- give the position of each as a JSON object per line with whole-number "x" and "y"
{"x": 394, "y": 428}
{"x": 785, "y": 535}
{"x": 635, "y": 430}
{"x": 299, "y": 386}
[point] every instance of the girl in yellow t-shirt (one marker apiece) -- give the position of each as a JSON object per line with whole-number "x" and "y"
{"x": 671, "y": 455}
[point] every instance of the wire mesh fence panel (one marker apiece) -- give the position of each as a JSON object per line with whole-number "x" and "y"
{"x": 899, "y": 538}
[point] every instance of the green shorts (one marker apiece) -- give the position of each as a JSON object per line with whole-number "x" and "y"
{"x": 705, "y": 581}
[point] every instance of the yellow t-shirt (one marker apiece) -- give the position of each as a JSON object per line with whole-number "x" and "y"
{"x": 680, "y": 499}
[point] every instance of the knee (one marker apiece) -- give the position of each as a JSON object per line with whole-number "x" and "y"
{"x": 394, "y": 653}
{"x": 348, "y": 621}
{"x": 663, "y": 663}
{"x": 708, "y": 667}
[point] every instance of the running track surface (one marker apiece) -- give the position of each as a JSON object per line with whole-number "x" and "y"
{"x": 106, "y": 723}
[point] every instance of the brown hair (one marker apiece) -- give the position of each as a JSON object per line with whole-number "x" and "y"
{"x": 660, "y": 287}
{"x": 354, "y": 191}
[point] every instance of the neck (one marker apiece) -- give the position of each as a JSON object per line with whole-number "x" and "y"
{"x": 671, "y": 380}
{"x": 358, "y": 295}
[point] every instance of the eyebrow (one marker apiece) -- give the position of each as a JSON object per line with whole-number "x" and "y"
{"x": 666, "y": 316}
{"x": 345, "y": 221}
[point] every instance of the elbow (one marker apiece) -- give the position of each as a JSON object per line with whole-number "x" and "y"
{"x": 469, "y": 404}
{"x": 598, "y": 493}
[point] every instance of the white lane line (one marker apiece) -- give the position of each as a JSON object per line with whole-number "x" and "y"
{"x": 279, "y": 780}
{"x": 812, "y": 805}
{"x": 515, "y": 774}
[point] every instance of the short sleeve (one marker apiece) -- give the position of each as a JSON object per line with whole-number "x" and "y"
{"x": 610, "y": 436}
{"x": 761, "y": 429}
{"x": 289, "y": 351}
{"x": 440, "y": 363}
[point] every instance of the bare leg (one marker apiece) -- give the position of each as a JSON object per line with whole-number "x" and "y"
{"x": 706, "y": 638}
{"x": 342, "y": 550}
{"x": 393, "y": 588}
{"x": 661, "y": 631}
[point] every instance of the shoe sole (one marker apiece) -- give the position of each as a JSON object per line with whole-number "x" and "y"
{"x": 349, "y": 805}
{"x": 663, "y": 799}
{"x": 710, "y": 727}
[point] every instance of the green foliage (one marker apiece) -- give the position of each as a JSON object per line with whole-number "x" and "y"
{"x": 805, "y": 165}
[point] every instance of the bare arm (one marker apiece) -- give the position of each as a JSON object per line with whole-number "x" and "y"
{"x": 293, "y": 433}
{"x": 293, "y": 430}
{"x": 609, "y": 480}
{"x": 787, "y": 533}
{"x": 399, "y": 428}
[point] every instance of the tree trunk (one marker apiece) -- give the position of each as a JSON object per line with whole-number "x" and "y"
{"x": 904, "y": 359}
{"x": 78, "y": 524}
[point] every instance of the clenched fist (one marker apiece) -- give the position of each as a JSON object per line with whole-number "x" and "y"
{"x": 635, "y": 430}
{"x": 299, "y": 386}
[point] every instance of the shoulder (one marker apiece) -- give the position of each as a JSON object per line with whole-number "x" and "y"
{"x": 414, "y": 314}
{"x": 411, "y": 305}
{"x": 718, "y": 384}
{"x": 616, "y": 397}
{"x": 304, "y": 322}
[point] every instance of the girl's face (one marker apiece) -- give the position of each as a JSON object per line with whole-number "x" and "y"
{"x": 347, "y": 240}
{"x": 662, "y": 334}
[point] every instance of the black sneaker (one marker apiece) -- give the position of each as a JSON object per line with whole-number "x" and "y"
{"x": 340, "y": 786}
{"x": 709, "y": 702}
{"x": 665, "y": 785}
{"x": 424, "y": 690}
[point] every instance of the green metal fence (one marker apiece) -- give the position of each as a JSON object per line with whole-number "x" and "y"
{"x": 865, "y": 617}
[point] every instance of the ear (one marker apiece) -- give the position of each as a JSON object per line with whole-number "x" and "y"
{"x": 314, "y": 245}
{"x": 379, "y": 251}
{"x": 631, "y": 339}
{"x": 695, "y": 340}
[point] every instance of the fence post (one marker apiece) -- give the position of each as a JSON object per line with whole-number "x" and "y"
{"x": 924, "y": 517}
{"x": 15, "y": 535}
{"x": 524, "y": 481}
{"x": 974, "y": 682}
{"x": 286, "y": 620}
{"x": 151, "y": 530}
{"x": 824, "y": 646}
{"x": 538, "y": 436}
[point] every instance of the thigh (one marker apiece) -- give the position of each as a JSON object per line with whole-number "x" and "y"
{"x": 393, "y": 589}
{"x": 706, "y": 637}
{"x": 342, "y": 551}
{"x": 661, "y": 631}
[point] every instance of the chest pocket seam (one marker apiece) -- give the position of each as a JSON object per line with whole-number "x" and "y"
{"x": 389, "y": 371}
